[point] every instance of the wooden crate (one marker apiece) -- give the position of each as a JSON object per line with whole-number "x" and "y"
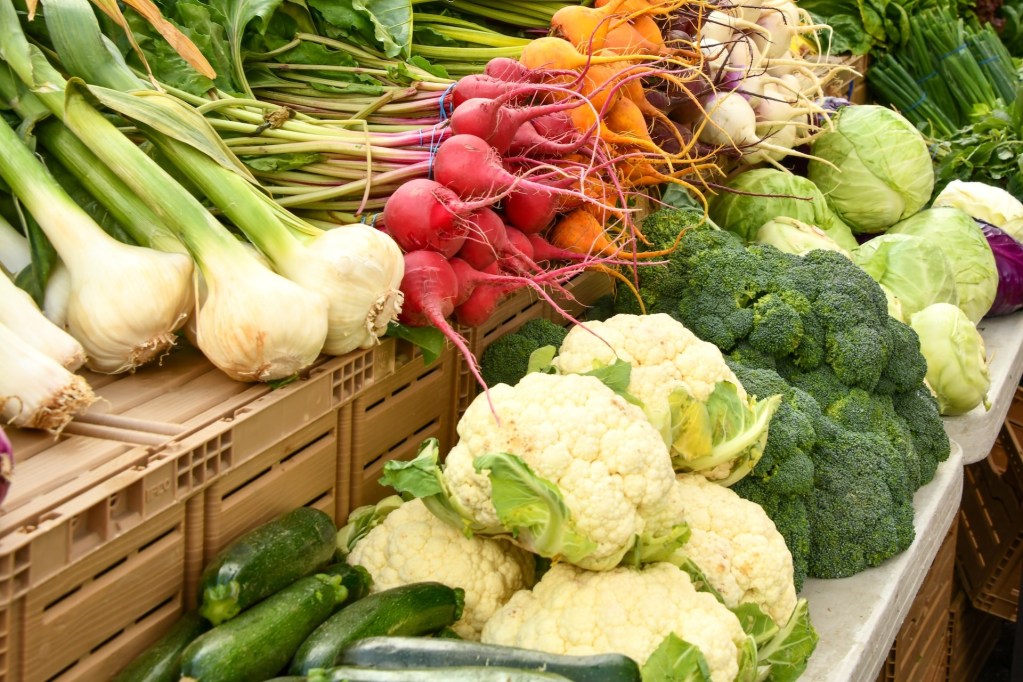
{"x": 972, "y": 636}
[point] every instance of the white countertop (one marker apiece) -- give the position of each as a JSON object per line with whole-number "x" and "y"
{"x": 976, "y": 430}
{"x": 858, "y": 617}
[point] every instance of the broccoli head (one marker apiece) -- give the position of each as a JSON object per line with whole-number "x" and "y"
{"x": 506, "y": 360}
{"x": 862, "y": 509}
{"x": 906, "y": 366}
{"x": 778, "y": 322}
{"x": 662, "y": 228}
{"x": 822, "y": 383}
{"x": 919, "y": 410}
{"x": 543, "y": 332}
{"x": 746, "y": 355}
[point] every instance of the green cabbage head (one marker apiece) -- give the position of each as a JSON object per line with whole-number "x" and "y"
{"x": 967, "y": 249}
{"x": 957, "y": 368}
{"x": 910, "y": 268}
{"x": 778, "y": 194}
{"x": 873, "y": 167}
{"x": 792, "y": 236}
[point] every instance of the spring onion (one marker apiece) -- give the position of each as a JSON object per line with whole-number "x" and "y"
{"x": 36, "y": 392}
{"x": 15, "y": 254}
{"x": 19, "y": 312}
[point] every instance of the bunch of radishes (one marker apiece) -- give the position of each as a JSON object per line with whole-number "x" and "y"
{"x": 474, "y": 232}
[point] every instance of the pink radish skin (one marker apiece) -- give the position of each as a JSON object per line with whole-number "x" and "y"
{"x": 545, "y": 252}
{"x": 472, "y": 168}
{"x": 531, "y": 211}
{"x": 482, "y": 87}
{"x": 555, "y": 126}
{"x": 423, "y": 214}
{"x": 482, "y": 303}
{"x": 489, "y": 242}
{"x": 512, "y": 70}
{"x": 528, "y": 141}
{"x": 492, "y": 120}
{"x": 520, "y": 243}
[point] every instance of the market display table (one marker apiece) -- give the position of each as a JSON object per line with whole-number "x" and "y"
{"x": 858, "y": 617}
{"x": 976, "y": 430}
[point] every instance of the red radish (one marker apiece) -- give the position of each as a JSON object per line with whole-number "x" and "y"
{"x": 555, "y": 126}
{"x": 482, "y": 303}
{"x": 530, "y": 210}
{"x": 520, "y": 242}
{"x": 491, "y": 119}
{"x": 489, "y": 242}
{"x": 545, "y": 252}
{"x": 472, "y": 168}
{"x": 512, "y": 70}
{"x": 528, "y": 141}
{"x": 423, "y": 214}
{"x": 485, "y": 87}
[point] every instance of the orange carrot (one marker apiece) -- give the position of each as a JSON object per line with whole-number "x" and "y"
{"x": 581, "y": 232}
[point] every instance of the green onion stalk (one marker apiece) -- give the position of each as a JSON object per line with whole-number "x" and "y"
{"x": 254, "y": 324}
{"x": 126, "y": 302}
{"x": 358, "y": 269}
{"x": 893, "y": 84}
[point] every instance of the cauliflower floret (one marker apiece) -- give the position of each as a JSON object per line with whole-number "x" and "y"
{"x": 412, "y": 545}
{"x": 606, "y": 459}
{"x": 628, "y": 611}
{"x": 737, "y": 547}
{"x": 658, "y": 346}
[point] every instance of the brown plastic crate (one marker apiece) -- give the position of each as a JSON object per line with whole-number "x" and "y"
{"x": 919, "y": 653}
{"x": 972, "y": 636}
{"x": 990, "y": 552}
{"x": 297, "y": 470}
{"x": 89, "y": 620}
{"x": 391, "y": 419}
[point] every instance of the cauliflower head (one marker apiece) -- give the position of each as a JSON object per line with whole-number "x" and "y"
{"x": 737, "y": 547}
{"x": 660, "y": 349}
{"x": 687, "y": 390}
{"x": 412, "y": 545}
{"x": 628, "y": 611}
{"x": 575, "y": 433}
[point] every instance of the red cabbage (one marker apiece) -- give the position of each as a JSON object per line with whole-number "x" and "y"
{"x": 1009, "y": 261}
{"x": 6, "y": 464}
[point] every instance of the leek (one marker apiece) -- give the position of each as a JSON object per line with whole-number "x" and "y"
{"x": 126, "y": 301}
{"x": 15, "y": 254}
{"x": 19, "y": 312}
{"x": 36, "y": 392}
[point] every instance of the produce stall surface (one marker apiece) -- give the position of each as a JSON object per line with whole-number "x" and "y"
{"x": 858, "y": 617}
{"x": 976, "y": 430}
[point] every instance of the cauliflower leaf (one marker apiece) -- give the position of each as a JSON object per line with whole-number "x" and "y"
{"x": 676, "y": 660}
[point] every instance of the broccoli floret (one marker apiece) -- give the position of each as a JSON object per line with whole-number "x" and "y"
{"x": 862, "y": 507}
{"x": 822, "y": 384}
{"x": 858, "y": 354}
{"x": 906, "y": 366}
{"x": 661, "y": 228}
{"x": 543, "y": 332}
{"x": 778, "y": 322}
{"x": 919, "y": 410}
{"x": 748, "y": 356}
{"x": 605, "y": 307}
{"x": 505, "y": 360}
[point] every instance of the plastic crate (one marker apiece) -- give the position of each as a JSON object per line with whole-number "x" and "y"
{"x": 89, "y": 619}
{"x": 297, "y": 470}
{"x": 990, "y": 551}
{"x": 390, "y": 419}
{"x": 919, "y": 653}
{"x": 972, "y": 636}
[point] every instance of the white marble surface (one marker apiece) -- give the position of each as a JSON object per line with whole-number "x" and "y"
{"x": 858, "y": 617}
{"x": 976, "y": 430}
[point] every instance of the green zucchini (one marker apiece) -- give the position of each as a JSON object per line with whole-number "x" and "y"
{"x": 426, "y": 652}
{"x": 417, "y": 609}
{"x": 454, "y": 674}
{"x": 265, "y": 560}
{"x": 259, "y": 642}
{"x": 447, "y": 633}
{"x": 161, "y": 662}
{"x": 356, "y": 579}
